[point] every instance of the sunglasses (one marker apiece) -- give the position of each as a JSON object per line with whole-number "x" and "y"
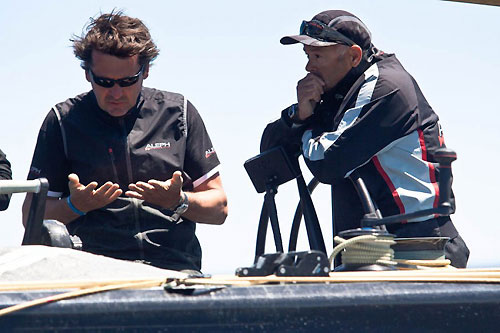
{"x": 321, "y": 31}
{"x": 108, "y": 83}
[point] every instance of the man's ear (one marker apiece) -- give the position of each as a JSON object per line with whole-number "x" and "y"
{"x": 87, "y": 75}
{"x": 145, "y": 73}
{"x": 356, "y": 54}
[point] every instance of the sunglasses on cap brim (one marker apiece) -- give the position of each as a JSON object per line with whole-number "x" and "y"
{"x": 124, "y": 82}
{"x": 319, "y": 30}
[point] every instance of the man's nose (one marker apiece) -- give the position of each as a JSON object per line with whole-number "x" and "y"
{"x": 116, "y": 91}
{"x": 309, "y": 66}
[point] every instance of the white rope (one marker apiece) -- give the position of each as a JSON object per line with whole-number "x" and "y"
{"x": 365, "y": 249}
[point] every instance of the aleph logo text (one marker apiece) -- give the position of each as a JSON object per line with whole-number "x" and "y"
{"x": 157, "y": 145}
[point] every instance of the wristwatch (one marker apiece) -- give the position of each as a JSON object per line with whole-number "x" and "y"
{"x": 181, "y": 208}
{"x": 292, "y": 111}
{"x": 293, "y": 116}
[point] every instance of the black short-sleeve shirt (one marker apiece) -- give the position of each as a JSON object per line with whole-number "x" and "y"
{"x": 162, "y": 134}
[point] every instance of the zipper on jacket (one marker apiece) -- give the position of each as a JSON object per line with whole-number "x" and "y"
{"x": 113, "y": 164}
{"x": 135, "y": 202}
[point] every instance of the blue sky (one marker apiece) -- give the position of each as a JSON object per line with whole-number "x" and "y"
{"x": 225, "y": 56}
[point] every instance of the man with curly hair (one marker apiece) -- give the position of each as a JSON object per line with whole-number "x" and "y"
{"x": 140, "y": 164}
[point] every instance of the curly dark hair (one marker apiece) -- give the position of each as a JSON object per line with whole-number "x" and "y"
{"x": 115, "y": 34}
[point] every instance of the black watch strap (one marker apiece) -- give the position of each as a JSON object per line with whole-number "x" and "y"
{"x": 290, "y": 116}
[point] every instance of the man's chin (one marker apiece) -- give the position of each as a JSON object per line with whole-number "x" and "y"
{"x": 116, "y": 110}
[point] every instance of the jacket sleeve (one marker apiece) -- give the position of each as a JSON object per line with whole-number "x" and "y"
{"x": 201, "y": 160}
{"x": 5, "y": 173}
{"x": 49, "y": 158}
{"x": 363, "y": 131}
{"x": 283, "y": 132}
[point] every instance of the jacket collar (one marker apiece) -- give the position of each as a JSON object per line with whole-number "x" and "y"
{"x": 132, "y": 113}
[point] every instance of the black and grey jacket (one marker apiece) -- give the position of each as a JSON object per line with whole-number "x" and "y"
{"x": 377, "y": 123}
{"x": 6, "y": 174}
{"x": 162, "y": 134}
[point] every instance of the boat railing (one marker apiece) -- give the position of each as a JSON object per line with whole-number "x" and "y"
{"x": 39, "y": 231}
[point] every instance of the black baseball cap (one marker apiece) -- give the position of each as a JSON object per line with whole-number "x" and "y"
{"x": 332, "y": 27}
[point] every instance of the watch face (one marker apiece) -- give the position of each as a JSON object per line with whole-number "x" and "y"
{"x": 184, "y": 204}
{"x": 291, "y": 111}
{"x": 182, "y": 208}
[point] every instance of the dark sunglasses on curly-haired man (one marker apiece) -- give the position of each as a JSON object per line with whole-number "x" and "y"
{"x": 108, "y": 83}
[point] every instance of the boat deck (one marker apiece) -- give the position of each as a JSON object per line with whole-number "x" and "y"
{"x": 359, "y": 306}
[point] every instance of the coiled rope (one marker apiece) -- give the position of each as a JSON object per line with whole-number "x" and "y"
{"x": 365, "y": 249}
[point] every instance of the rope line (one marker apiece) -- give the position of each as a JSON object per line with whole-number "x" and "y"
{"x": 80, "y": 292}
{"x": 365, "y": 249}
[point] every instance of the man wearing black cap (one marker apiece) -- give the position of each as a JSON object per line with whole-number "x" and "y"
{"x": 359, "y": 110}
